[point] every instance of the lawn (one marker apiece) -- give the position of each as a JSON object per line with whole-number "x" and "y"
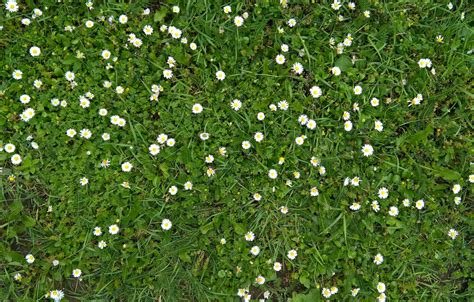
{"x": 214, "y": 150}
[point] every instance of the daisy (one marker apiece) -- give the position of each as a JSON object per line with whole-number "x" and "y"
{"x": 292, "y": 254}
{"x": 236, "y": 104}
{"x": 314, "y": 161}
{"x": 297, "y": 68}
{"x": 197, "y": 108}
{"x": 381, "y": 297}
{"x": 374, "y": 102}
{"x": 89, "y": 24}
{"x": 420, "y": 204}
{"x": 326, "y": 292}
{"x": 260, "y": 116}
{"x": 355, "y": 181}
{"x": 260, "y": 280}
{"x": 166, "y": 224}
{"x": 246, "y": 145}
{"x": 204, "y": 136}
{"x": 30, "y": 258}
{"x": 381, "y": 287}
{"x": 76, "y": 273}
{"x": 283, "y": 105}
{"x": 280, "y": 59}
{"x": 355, "y": 291}
{"x": 27, "y": 114}
{"x": 17, "y": 74}
{"x": 355, "y": 206}
{"x": 154, "y": 149}
{"x": 175, "y": 9}
{"x": 258, "y": 136}
{"x": 424, "y": 63}
{"x": 162, "y": 138}
{"x": 173, "y": 190}
{"x": 299, "y": 140}
{"x": 16, "y": 159}
{"x": 69, "y": 76}
{"x": 241, "y": 292}
{"x": 284, "y": 209}
{"x": 9, "y": 148}
{"x": 357, "y": 90}
{"x": 193, "y": 46}
{"x": 452, "y": 233}
{"x": 170, "y": 142}
{"x": 84, "y": 102}
{"x": 119, "y": 89}
{"x": 97, "y": 231}
{"x": 220, "y": 75}
{"x": 188, "y": 186}
{"x": 291, "y": 22}
{"x": 375, "y": 206}
{"x": 103, "y": 112}
{"x": 85, "y": 133}
{"x": 114, "y": 229}
{"x": 393, "y": 211}
{"x": 35, "y": 51}
{"x": 352, "y": 6}
{"x": 348, "y": 126}
{"x": 148, "y": 30}
{"x": 102, "y": 244}
{"x": 56, "y": 295}
{"x": 277, "y": 266}
{"x": 37, "y": 12}
{"x": 378, "y": 259}
{"x": 303, "y": 119}
{"x": 11, "y": 6}
{"x": 284, "y": 48}
{"x": 255, "y": 250}
{"x": 311, "y": 124}
{"x": 257, "y": 196}
{"x": 123, "y": 19}
{"x": 249, "y": 236}
{"x": 456, "y": 188}
{"x": 383, "y": 193}
{"x": 272, "y": 173}
{"x": 238, "y": 21}
{"x": 336, "y": 71}
{"x": 167, "y": 73}
{"x": 457, "y": 200}
{"x": 316, "y": 92}
{"x": 367, "y": 14}
{"x": 127, "y": 167}
{"x": 336, "y": 5}
{"x": 406, "y": 202}
{"x": 227, "y": 9}
{"x": 71, "y": 132}
{"x": 367, "y": 150}
{"x": 222, "y": 151}
{"x": 378, "y": 126}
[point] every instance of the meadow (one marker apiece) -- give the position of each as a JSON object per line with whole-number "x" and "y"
{"x": 209, "y": 150}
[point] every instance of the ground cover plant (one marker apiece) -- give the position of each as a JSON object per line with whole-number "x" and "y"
{"x": 236, "y": 150}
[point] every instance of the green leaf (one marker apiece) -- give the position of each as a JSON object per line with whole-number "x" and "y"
{"x": 160, "y": 15}
{"x": 344, "y": 63}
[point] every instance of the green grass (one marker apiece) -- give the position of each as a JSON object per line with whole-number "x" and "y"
{"x": 422, "y": 152}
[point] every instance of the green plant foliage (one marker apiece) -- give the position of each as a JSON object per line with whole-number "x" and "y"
{"x": 236, "y": 150}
